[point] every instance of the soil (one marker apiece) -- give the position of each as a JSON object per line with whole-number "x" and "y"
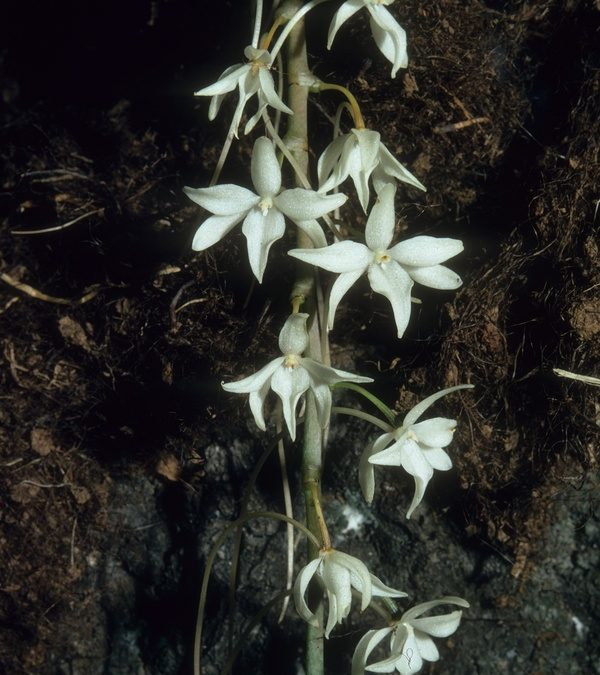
{"x": 121, "y": 458}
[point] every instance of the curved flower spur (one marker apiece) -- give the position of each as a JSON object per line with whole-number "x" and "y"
{"x": 290, "y": 375}
{"x": 262, "y": 212}
{"x": 338, "y": 574}
{"x": 415, "y": 446}
{"x": 391, "y": 271}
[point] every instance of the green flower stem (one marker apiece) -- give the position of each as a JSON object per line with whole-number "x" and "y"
{"x": 314, "y": 490}
{"x": 304, "y": 288}
{"x": 378, "y": 403}
{"x": 311, "y": 479}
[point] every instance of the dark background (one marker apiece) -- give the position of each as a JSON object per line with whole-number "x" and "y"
{"x": 120, "y": 456}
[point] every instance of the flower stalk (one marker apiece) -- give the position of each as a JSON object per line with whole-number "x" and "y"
{"x": 359, "y": 122}
{"x": 304, "y": 287}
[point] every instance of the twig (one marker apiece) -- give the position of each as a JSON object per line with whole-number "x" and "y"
{"x": 195, "y": 301}
{"x": 64, "y": 226}
{"x": 72, "y": 557}
{"x": 175, "y": 300}
{"x": 586, "y": 379}
{"x": 90, "y": 293}
{"x": 457, "y": 126}
{"x": 50, "y": 172}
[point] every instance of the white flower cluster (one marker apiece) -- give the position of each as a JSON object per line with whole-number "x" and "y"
{"x": 392, "y": 270}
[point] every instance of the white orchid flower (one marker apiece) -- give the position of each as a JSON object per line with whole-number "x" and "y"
{"x": 411, "y": 642}
{"x": 290, "y": 375}
{"x": 262, "y": 212}
{"x": 359, "y": 154}
{"x": 250, "y": 78}
{"x": 338, "y": 573}
{"x": 415, "y": 446}
{"x": 389, "y": 35}
{"x": 391, "y": 271}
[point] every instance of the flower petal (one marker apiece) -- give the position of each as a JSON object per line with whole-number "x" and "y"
{"x": 426, "y": 646}
{"x": 389, "y": 37}
{"x": 436, "y": 276}
{"x": 300, "y": 586}
{"x": 269, "y": 93}
{"x": 300, "y": 204}
{"x": 213, "y": 229}
{"x": 328, "y": 164}
{"x": 393, "y": 282}
{"x": 332, "y": 613}
{"x": 359, "y": 159}
{"x": 436, "y": 432}
{"x": 254, "y": 382}
{"x": 382, "y": 220}
{"x": 322, "y": 394}
{"x": 223, "y": 200}
{"x": 380, "y": 590}
{"x": 416, "y": 412}
{"x": 419, "y": 468}
{"x": 392, "y": 167}
{"x": 264, "y": 168}
{"x": 391, "y": 456}
{"x": 440, "y": 626}
{"x": 340, "y": 287}
{"x": 228, "y": 81}
{"x": 337, "y": 582}
{"x": 437, "y": 458}
{"x": 257, "y": 402}
{"x": 365, "y": 646}
{"x": 289, "y": 384}
{"x": 253, "y": 121}
{"x": 387, "y": 666}
{"x": 349, "y": 8}
{"x": 293, "y": 337}
{"x": 343, "y": 256}
{"x": 239, "y": 110}
{"x": 424, "y": 251}
{"x": 366, "y": 476}
{"x": 261, "y": 233}
{"x": 423, "y": 607}
{"x": 368, "y": 144}
{"x": 217, "y": 99}
{"x": 360, "y": 578}
{"x": 314, "y": 231}
{"x": 322, "y": 374}
{"x": 360, "y": 178}
{"x": 366, "y": 473}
